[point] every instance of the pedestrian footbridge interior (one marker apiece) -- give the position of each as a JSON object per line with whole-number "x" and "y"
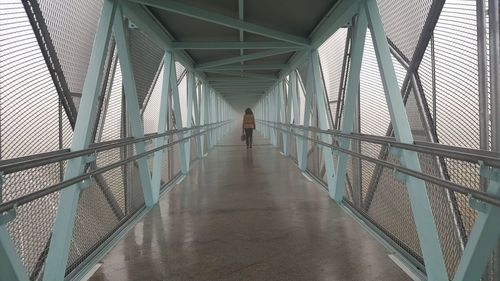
{"x": 375, "y": 153}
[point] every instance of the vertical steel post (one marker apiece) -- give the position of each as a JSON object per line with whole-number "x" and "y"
{"x": 191, "y": 87}
{"x": 417, "y": 192}
{"x": 494, "y": 25}
{"x": 162, "y": 125}
{"x": 129, "y": 89}
{"x": 62, "y": 233}
{"x": 323, "y": 113}
{"x": 197, "y": 119}
{"x": 208, "y": 112}
{"x": 296, "y": 110}
{"x": 307, "y": 121}
{"x": 206, "y": 140}
{"x": 350, "y": 98}
{"x": 288, "y": 116}
{"x": 486, "y": 230}
{"x": 277, "y": 98}
{"x": 178, "y": 120}
{"x": 482, "y": 75}
{"x": 356, "y": 181}
{"x": 494, "y": 20}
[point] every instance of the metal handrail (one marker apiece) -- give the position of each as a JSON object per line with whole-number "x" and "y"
{"x": 477, "y": 194}
{"x": 476, "y": 156}
{"x": 14, "y": 203}
{"x": 23, "y": 163}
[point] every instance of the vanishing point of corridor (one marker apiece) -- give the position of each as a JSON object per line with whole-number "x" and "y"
{"x": 247, "y": 215}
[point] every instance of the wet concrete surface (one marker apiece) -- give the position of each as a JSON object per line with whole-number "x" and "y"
{"x": 247, "y": 214}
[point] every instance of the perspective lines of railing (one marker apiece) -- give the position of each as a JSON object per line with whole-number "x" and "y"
{"x": 35, "y": 161}
{"x": 460, "y": 187}
{"x": 486, "y": 159}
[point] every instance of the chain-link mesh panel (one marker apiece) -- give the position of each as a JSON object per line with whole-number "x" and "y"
{"x": 457, "y": 102}
{"x": 463, "y": 173}
{"x": 111, "y": 182}
{"x": 94, "y": 221}
{"x": 403, "y": 22}
{"x": 301, "y": 100}
{"x": 112, "y": 197}
{"x": 176, "y": 157}
{"x": 374, "y": 113}
{"x": 72, "y": 25}
{"x": 112, "y": 111}
{"x": 26, "y": 93}
{"x": 194, "y": 149}
{"x": 133, "y": 187}
{"x": 31, "y": 230}
{"x": 443, "y": 202}
{"x": 26, "y": 82}
{"x": 146, "y": 58}
{"x": 390, "y": 209}
{"x": 179, "y": 70}
{"x": 369, "y": 171}
{"x": 152, "y": 109}
{"x": 453, "y": 63}
{"x": 293, "y": 147}
{"x": 331, "y": 54}
{"x": 165, "y": 175}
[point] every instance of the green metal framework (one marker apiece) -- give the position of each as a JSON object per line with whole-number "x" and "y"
{"x": 294, "y": 109}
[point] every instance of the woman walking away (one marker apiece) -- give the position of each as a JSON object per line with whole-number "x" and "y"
{"x": 248, "y": 126}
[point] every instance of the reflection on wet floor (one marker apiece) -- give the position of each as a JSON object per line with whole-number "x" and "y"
{"x": 247, "y": 214}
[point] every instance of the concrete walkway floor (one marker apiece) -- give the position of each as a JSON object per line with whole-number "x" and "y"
{"x": 247, "y": 215}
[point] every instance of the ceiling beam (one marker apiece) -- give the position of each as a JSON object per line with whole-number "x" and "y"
{"x": 254, "y": 56}
{"x": 154, "y": 30}
{"x": 231, "y": 45}
{"x": 253, "y": 96}
{"x": 339, "y": 16}
{"x": 257, "y": 89}
{"x": 227, "y": 92}
{"x": 238, "y": 80}
{"x": 249, "y": 67}
{"x": 241, "y": 5}
{"x": 201, "y": 14}
{"x": 242, "y": 74}
{"x": 242, "y": 83}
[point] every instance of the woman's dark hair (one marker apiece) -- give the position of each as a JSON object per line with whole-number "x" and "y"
{"x": 248, "y": 111}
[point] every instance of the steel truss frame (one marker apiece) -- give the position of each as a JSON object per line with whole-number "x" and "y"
{"x": 203, "y": 102}
{"x": 485, "y": 233}
{"x": 276, "y": 105}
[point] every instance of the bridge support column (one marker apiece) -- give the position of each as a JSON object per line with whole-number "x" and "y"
{"x": 417, "y": 190}
{"x": 197, "y": 119}
{"x": 288, "y": 116}
{"x": 318, "y": 89}
{"x": 304, "y": 143}
{"x": 296, "y": 110}
{"x": 178, "y": 120}
{"x": 162, "y": 125}
{"x": 191, "y": 88}
{"x": 62, "y": 233}
{"x": 129, "y": 89}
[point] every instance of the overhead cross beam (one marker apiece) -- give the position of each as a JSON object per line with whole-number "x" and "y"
{"x": 215, "y": 80}
{"x": 248, "y": 67}
{"x": 231, "y": 45}
{"x": 243, "y": 74}
{"x": 141, "y": 17}
{"x": 340, "y": 15}
{"x": 201, "y": 14}
{"x": 259, "y": 55}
